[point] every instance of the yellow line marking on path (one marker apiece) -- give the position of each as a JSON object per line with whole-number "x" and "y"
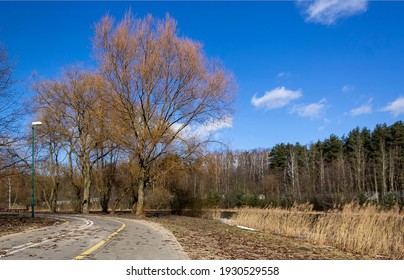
{"x": 99, "y": 244}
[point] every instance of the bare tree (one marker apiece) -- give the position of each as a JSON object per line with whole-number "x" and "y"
{"x": 163, "y": 86}
{"x": 9, "y": 110}
{"x": 52, "y": 143}
{"x": 74, "y": 103}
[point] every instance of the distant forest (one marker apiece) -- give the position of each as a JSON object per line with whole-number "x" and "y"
{"x": 365, "y": 165}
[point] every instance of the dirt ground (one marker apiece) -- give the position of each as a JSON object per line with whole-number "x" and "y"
{"x": 14, "y": 223}
{"x": 204, "y": 239}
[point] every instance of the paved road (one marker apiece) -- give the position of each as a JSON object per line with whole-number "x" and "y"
{"x": 92, "y": 237}
{"x": 141, "y": 240}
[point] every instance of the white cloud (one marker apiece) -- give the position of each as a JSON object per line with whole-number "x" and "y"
{"x": 362, "y": 110}
{"x": 276, "y": 98}
{"x": 204, "y": 130}
{"x": 213, "y": 126}
{"x": 329, "y": 11}
{"x": 312, "y": 111}
{"x": 347, "y": 88}
{"x": 396, "y": 107}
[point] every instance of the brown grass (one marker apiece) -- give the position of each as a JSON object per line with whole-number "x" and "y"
{"x": 364, "y": 230}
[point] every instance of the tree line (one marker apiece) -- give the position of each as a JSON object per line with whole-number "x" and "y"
{"x": 364, "y": 166}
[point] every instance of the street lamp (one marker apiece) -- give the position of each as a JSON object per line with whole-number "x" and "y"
{"x": 33, "y": 169}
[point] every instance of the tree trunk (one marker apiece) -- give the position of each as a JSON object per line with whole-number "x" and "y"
{"x": 76, "y": 188}
{"x": 53, "y": 197}
{"x": 140, "y": 196}
{"x": 384, "y": 168}
{"x": 86, "y": 186}
{"x": 322, "y": 172}
{"x": 391, "y": 170}
{"x": 86, "y": 196}
{"x": 54, "y": 169}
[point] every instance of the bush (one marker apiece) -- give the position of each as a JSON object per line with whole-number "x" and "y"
{"x": 159, "y": 198}
{"x": 184, "y": 203}
{"x": 213, "y": 200}
{"x": 390, "y": 200}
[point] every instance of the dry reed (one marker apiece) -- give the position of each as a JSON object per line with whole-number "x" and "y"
{"x": 211, "y": 214}
{"x": 364, "y": 230}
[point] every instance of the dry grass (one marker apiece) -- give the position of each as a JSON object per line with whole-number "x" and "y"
{"x": 212, "y": 214}
{"x": 364, "y": 230}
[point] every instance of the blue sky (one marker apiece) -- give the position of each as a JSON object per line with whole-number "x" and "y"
{"x": 304, "y": 70}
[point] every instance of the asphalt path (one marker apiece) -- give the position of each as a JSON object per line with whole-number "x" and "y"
{"x": 94, "y": 238}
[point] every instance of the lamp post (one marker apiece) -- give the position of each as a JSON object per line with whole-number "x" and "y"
{"x": 33, "y": 168}
{"x": 9, "y": 193}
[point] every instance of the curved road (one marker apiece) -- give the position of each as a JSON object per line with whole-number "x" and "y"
{"x": 93, "y": 237}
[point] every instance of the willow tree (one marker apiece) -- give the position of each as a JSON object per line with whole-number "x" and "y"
{"x": 72, "y": 108}
{"x": 10, "y": 111}
{"x": 163, "y": 86}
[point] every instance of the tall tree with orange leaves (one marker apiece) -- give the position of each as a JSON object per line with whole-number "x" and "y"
{"x": 164, "y": 87}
